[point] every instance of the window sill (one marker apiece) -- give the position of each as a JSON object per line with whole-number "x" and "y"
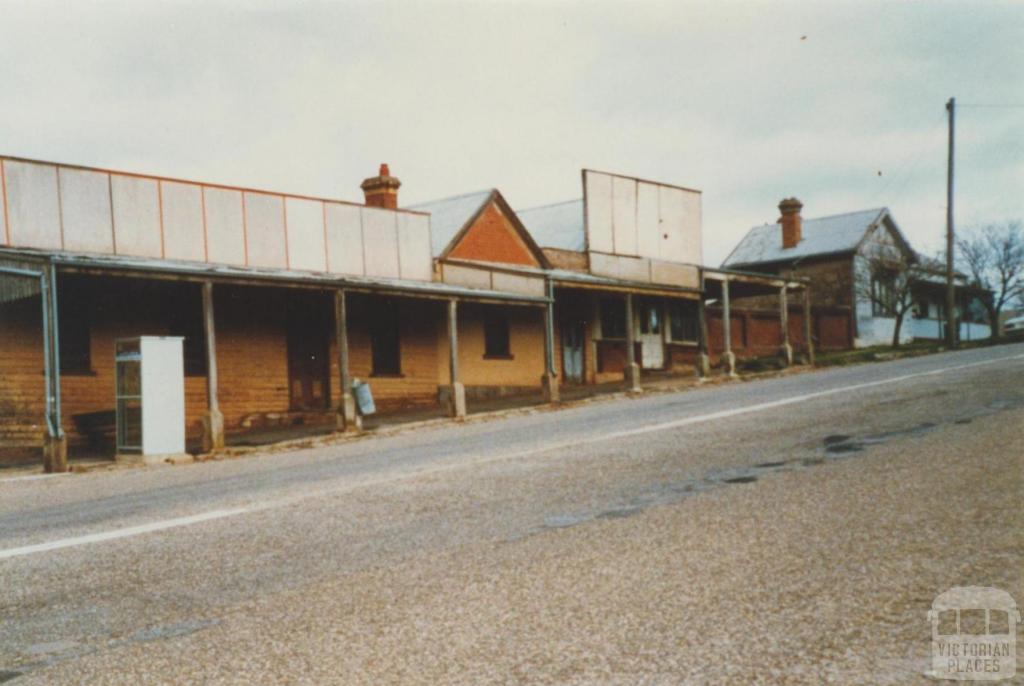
{"x": 78, "y": 372}
{"x": 499, "y": 357}
{"x": 387, "y": 375}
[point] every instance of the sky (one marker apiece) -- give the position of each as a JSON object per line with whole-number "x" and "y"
{"x": 839, "y": 104}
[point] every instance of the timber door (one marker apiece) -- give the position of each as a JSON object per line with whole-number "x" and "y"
{"x": 652, "y": 343}
{"x": 308, "y": 365}
{"x": 573, "y": 335}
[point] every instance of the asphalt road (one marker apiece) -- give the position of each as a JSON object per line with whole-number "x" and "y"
{"x": 785, "y": 530}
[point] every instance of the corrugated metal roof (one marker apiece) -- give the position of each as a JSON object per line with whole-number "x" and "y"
{"x": 449, "y": 215}
{"x": 821, "y": 236}
{"x": 557, "y": 226}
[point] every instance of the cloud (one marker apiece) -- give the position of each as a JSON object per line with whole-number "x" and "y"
{"x": 725, "y": 97}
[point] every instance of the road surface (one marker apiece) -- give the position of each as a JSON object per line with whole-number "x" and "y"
{"x": 785, "y": 530}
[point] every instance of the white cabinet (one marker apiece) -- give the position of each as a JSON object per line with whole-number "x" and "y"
{"x": 150, "y": 393}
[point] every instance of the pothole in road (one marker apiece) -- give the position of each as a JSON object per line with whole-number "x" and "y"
{"x": 843, "y": 448}
{"x": 740, "y": 480}
{"x": 835, "y": 447}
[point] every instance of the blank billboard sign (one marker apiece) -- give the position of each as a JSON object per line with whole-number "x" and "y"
{"x": 76, "y": 209}
{"x": 637, "y": 218}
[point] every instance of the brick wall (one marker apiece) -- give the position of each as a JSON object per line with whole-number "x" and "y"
{"x": 758, "y": 332}
{"x": 492, "y": 238}
{"x": 526, "y": 345}
{"x": 252, "y": 352}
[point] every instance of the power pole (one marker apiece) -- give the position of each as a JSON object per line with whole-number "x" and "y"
{"x": 951, "y": 327}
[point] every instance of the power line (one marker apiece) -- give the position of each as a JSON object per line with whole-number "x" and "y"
{"x": 989, "y": 106}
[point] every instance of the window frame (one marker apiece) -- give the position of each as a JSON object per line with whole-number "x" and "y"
{"x": 883, "y": 298}
{"x": 608, "y": 304}
{"x": 688, "y": 316}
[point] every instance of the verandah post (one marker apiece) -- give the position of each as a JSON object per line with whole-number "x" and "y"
{"x": 549, "y": 381}
{"x": 787, "y": 350}
{"x": 347, "y": 418}
{"x": 457, "y": 390}
{"x": 55, "y": 445}
{"x": 727, "y": 355}
{"x": 703, "y": 355}
{"x": 808, "y": 325}
{"x": 213, "y": 420}
{"x": 632, "y": 375}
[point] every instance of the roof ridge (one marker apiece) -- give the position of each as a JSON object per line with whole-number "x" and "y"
{"x": 460, "y": 196}
{"x": 876, "y": 210}
{"x": 550, "y": 204}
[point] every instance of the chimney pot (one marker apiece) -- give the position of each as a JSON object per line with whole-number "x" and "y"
{"x": 382, "y": 190}
{"x": 792, "y": 222}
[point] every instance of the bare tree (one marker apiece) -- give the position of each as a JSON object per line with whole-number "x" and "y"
{"x": 886, "y": 283}
{"x": 994, "y": 254}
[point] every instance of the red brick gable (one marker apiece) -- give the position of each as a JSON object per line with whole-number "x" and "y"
{"x": 492, "y": 238}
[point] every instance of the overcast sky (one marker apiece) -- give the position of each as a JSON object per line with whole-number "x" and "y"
{"x": 841, "y": 105}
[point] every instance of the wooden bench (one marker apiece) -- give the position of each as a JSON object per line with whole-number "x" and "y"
{"x": 99, "y": 428}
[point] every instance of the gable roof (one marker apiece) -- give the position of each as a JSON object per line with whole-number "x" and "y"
{"x": 558, "y": 226}
{"x": 839, "y": 233}
{"x": 448, "y": 216}
{"x": 451, "y": 218}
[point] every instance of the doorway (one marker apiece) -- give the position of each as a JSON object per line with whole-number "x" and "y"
{"x": 652, "y": 343}
{"x": 308, "y": 366}
{"x": 573, "y": 336}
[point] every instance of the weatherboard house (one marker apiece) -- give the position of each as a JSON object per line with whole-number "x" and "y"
{"x": 834, "y": 254}
{"x": 283, "y": 300}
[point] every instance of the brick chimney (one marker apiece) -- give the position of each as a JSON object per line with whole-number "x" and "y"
{"x": 382, "y": 190}
{"x": 792, "y": 222}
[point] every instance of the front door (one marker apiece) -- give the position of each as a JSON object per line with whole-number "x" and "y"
{"x": 308, "y": 365}
{"x": 573, "y": 332}
{"x": 652, "y": 343}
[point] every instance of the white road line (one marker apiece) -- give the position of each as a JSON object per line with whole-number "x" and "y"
{"x": 650, "y": 428}
{"x": 121, "y": 533}
{"x": 32, "y": 477}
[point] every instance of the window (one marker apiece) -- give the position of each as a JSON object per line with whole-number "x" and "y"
{"x": 650, "y": 319}
{"x": 496, "y": 343}
{"x": 921, "y": 310}
{"x": 683, "y": 322}
{"x": 187, "y": 321}
{"x": 384, "y": 340}
{"x": 613, "y": 318}
{"x": 883, "y": 301}
{"x": 73, "y": 327}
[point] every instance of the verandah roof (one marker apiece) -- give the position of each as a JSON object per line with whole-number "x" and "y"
{"x": 163, "y": 269}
